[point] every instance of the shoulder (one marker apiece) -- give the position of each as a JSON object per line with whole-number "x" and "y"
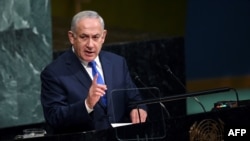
{"x": 61, "y": 60}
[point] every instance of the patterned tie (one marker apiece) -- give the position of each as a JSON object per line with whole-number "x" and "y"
{"x": 99, "y": 80}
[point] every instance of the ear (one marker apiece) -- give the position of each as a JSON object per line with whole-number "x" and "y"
{"x": 104, "y": 35}
{"x": 71, "y": 37}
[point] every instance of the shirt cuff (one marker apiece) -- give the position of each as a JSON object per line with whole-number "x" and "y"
{"x": 89, "y": 110}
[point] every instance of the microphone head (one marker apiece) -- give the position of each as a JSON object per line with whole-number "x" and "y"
{"x": 167, "y": 68}
{"x": 135, "y": 76}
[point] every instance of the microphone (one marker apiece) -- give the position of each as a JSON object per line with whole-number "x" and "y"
{"x": 167, "y": 68}
{"x": 137, "y": 78}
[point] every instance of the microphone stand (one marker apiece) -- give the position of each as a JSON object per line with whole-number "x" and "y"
{"x": 182, "y": 96}
{"x": 144, "y": 85}
{"x": 167, "y": 68}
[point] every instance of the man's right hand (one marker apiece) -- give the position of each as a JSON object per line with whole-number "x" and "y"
{"x": 95, "y": 92}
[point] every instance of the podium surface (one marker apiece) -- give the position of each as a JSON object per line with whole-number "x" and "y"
{"x": 184, "y": 128}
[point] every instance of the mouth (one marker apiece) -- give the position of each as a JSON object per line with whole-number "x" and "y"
{"x": 89, "y": 53}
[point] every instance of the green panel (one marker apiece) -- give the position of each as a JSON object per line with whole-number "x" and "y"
{"x": 208, "y": 100}
{"x": 25, "y": 42}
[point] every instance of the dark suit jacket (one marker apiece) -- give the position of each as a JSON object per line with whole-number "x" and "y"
{"x": 65, "y": 85}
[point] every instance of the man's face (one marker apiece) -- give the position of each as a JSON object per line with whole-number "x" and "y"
{"x": 88, "y": 38}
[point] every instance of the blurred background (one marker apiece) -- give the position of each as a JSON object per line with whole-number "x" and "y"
{"x": 216, "y": 33}
{"x": 125, "y": 21}
{"x": 216, "y": 36}
{"x": 216, "y": 44}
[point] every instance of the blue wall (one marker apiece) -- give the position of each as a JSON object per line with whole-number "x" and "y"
{"x": 217, "y": 38}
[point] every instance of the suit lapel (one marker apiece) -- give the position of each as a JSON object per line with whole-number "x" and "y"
{"x": 107, "y": 72}
{"x": 78, "y": 71}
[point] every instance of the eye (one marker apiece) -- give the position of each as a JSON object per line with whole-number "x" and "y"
{"x": 83, "y": 36}
{"x": 96, "y": 37}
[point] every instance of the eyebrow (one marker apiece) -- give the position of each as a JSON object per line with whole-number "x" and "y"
{"x": 90, "y": 35}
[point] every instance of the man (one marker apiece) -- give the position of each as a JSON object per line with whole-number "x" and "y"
{"x": 71, "y": 92}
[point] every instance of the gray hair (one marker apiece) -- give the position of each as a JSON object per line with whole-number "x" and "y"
{"x": 85, "y": 14}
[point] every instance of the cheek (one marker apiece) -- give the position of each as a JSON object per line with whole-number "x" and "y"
{"x": 99, "y": 44}
{"x": 99, "y": 47}
{"x": 78, "y": 45}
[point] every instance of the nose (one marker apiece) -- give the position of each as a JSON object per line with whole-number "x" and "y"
{"x": 90, "y": 43}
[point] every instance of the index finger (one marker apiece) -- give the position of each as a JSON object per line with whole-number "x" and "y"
{"x": 95, "y": 79}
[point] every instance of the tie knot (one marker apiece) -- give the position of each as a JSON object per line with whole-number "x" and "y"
{"x": 92, "y": 64}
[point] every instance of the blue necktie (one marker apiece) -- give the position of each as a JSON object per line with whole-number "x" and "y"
{"x": 99, "y": 80}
